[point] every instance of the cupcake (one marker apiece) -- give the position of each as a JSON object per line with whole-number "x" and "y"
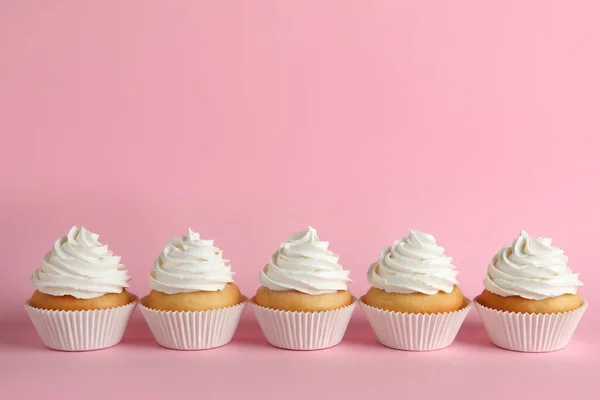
{"x": 304, "y": 302}
{"x": 194, "y": 303}
{"x": 414, "y": 302}
{"x": 80, "y": 302}
{"x": 530, "y": 302}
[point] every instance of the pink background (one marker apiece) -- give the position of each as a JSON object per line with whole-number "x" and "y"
{"x": 250, "y": 120}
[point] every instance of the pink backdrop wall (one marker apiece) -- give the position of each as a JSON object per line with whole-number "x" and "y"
{"x": 249, "y": 120}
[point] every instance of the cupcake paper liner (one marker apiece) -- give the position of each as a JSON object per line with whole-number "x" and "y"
{"x": 303, "y": 330}
{"x": 530, "y": 333}
{"x": 81, "y": 330}
{"x": 193, "y": 330}
{"x": 416, "y": 332}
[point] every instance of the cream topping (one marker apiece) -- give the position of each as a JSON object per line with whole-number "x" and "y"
{"x": 531, "y": 268}
{"x": 413, "y": 264}
{"x": 80, "y": 266}
{"x": 304, "y": 263}
{"x": 190, "y": 264}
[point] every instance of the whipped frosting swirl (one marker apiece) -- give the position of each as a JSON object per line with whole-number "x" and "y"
{"x": 413, "y": 264}
{"x": 531, "y": 268}
{"x": 305, "y": 264}
{"x": 190, "y": 264}
{"x": 80, "y": 266}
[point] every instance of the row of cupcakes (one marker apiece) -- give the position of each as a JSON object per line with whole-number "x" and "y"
{"x": 530, "y": 301}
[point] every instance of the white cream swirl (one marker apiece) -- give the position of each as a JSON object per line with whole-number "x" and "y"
{"x": 413, "y": 264}
{"x": 190, "y": 264}
{"x": 80, "y": 266}
{"x": 305, "y": 264}
{"x": 532, "y": 269}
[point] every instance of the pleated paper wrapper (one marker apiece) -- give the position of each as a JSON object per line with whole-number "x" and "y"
{"x": 532, "y": 333}
{"x": 303, "y": 330}
{"x": 193, "y": 330}
{"x": 416, "y": 332}
{"x": 81, "y": 330}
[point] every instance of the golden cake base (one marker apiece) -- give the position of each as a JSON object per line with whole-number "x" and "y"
{"x": 194, "y": 301}
{"x": 552, "y": 305}
{"x": 293, "y": 300}
{"x": 69, "y": 303}
{"x": 416, "y": 303}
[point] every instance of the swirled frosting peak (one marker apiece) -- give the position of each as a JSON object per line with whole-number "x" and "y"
{"x": 413, "y": 264}
{"x": 190, "y": 264}
{"x": 80, "y": 266}
{"x": 531, "y": 268}
{"x": 305, "y": 264}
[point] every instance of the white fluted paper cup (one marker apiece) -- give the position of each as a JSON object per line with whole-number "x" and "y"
{"x": 81, "y": 330}
{"x": 193, "y": 330}
{"x": 294, "y": 330}
{"x": 416, "y": 332}
{"x": 528, "y": 332}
